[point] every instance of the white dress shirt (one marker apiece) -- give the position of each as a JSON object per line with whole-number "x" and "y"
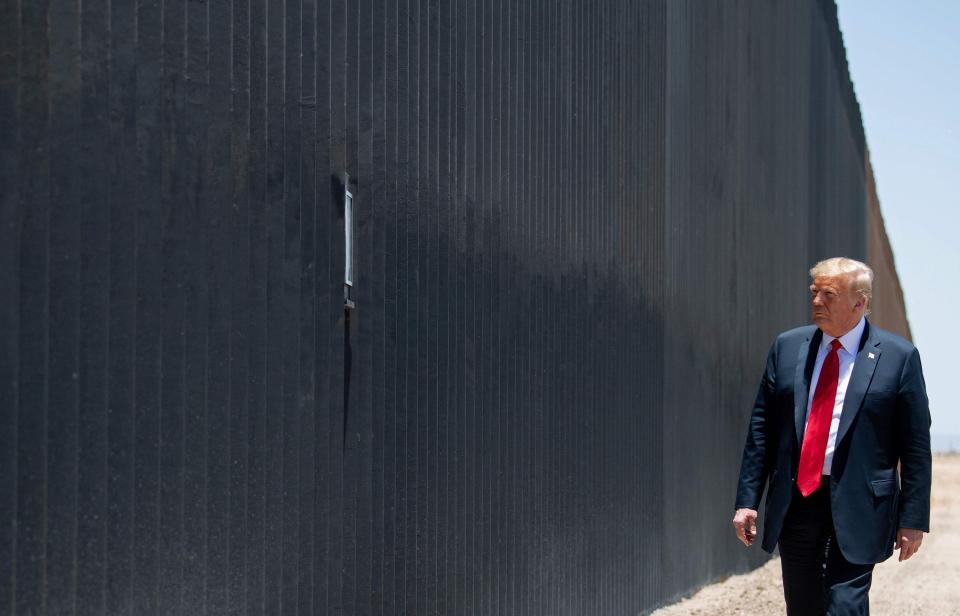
{"x": 847, "y": 356}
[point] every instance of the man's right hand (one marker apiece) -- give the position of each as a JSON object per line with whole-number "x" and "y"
{"x": 745, "y": 523}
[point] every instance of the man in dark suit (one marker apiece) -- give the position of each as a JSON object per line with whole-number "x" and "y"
{"x": 841, "y": 405}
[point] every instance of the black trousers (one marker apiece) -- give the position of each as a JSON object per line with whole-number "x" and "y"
{"x": 817, "y": 579}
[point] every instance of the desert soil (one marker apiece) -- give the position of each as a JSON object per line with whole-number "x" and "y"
{"x": 928, "y": 583}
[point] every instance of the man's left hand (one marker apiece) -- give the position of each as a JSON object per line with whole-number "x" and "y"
{"x": 908, "y": 542}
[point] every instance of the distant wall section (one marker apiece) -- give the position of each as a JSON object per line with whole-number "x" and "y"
{"x": 889, "y": 309}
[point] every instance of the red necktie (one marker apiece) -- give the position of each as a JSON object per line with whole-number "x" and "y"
{"x": 818, "y": 425}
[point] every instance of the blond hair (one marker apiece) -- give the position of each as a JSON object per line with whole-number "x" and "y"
{"x": 860, "y": 274}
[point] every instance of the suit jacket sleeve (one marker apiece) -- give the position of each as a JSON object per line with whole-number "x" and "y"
{"x": 761, "y": 446}
{"x": 913, "y": 434}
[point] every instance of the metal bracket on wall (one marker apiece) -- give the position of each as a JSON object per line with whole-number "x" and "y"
{"x": 348, "y": 303}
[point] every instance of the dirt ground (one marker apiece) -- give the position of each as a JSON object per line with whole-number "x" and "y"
{"x": 927, "y": 584}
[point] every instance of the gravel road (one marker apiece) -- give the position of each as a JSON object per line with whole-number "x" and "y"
{"x": 927, "y": 584}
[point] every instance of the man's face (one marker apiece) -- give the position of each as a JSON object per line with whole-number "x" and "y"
{"x": 835, "y": 309}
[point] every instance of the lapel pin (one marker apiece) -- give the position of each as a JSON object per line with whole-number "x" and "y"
{"x": 871, "y": 356}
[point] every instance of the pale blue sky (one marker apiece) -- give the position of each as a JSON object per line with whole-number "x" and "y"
{"x": 905, "y": 65}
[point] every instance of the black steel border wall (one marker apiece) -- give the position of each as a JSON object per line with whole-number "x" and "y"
{"x": 578, "y": 226}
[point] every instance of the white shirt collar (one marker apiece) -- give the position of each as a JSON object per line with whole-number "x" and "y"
{"x": 850, "y": 340}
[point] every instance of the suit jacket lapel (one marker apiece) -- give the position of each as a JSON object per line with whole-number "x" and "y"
{"x": 806, "y": 358}
{"x": 867, "y": 357}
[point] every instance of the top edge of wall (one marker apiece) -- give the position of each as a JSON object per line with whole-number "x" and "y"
{"x": 828, "y": 8}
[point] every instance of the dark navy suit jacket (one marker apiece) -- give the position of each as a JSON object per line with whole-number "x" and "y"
{"x": 885, "y": 423}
